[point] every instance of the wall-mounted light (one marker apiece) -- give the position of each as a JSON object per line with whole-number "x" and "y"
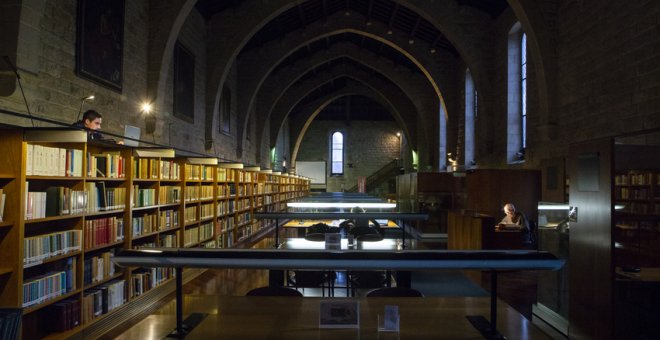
{"x": 82, "y": 101}
{"x": 149, "y": 119}
{"x": 398, "y": 134}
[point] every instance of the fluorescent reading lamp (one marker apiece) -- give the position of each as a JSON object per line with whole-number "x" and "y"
{"x": 553, "y": 206}
{"x": 301, "y": 243}
{"x": 566, "y": 206}
{"x": 151, "y": 251}
{"x": 340, "y": 205}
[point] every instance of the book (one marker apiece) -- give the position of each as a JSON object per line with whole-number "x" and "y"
{"x": 3, "y": 197}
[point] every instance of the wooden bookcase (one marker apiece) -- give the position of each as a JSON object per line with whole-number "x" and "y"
{"x": 91, "y": 200}
{"x": 637, "y": 218}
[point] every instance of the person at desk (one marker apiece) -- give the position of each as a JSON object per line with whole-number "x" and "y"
{"x": 514, "y": 220}
{"x": 91, "y": 121}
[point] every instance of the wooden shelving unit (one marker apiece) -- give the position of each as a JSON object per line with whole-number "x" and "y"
{"x": 124, "y": 198}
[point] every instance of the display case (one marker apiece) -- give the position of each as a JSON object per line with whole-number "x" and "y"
{"x": 552, "y": 289}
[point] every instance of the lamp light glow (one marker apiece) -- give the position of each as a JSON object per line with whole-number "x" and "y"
{"x": 341, "y": 205}
{"x": 146, "y": 107}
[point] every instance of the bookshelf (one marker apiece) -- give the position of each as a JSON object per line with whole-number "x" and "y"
{"x": 51, "y": 241}
{"x": 156, "y": 212}
{"x": 637, "y": 218}
{"x": 72, "y": 204}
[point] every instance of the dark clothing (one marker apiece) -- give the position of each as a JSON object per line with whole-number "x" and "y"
{"x": 91, "y": 134}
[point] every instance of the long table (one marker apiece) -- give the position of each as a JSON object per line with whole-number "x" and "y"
{"x": 490, "y": 260}
{"x": 395, "y": 216}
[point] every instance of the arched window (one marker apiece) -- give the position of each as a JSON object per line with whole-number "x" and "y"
{"x": 337, "y": 154}
{"x": 517, "y": 95}
{"x": 442, "y": 136}
{"x": 523, "y": 89}
{"x": 470, "y": 118}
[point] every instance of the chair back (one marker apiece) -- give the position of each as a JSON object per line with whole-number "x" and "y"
{"x": 274, "y": 291}
{"x": 531, "y": 236}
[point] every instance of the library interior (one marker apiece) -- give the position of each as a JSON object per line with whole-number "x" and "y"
{"x": 451, "y": 169}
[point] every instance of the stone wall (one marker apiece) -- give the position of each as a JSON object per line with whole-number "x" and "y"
{"x": 368, "y": 147}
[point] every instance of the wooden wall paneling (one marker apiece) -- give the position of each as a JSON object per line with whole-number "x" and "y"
{"x": 553, "y": 178}
{"x": 590, "y": 248}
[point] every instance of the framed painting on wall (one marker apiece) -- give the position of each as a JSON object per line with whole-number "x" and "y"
{"x": 100, "y": 42}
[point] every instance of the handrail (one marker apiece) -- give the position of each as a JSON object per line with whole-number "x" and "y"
{"x": 391, "y": 166}
{"x": 339, "y": 259}
{"x": 68, "y": 125}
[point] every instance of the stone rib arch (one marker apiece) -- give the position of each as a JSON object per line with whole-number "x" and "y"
{"x": 172, "y": 15}
{"x": 405, "y": 113}
{"x": 259, "y": 65}
{"x": 235, "y": 27}
{"x": 275, "y": 86}
{"x": 311, "y": 110}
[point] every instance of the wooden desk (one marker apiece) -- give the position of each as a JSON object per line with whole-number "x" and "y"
{"x": 234, "y": 317}
{"x": 340, "y": 259}
{"x": 476, "y": 231}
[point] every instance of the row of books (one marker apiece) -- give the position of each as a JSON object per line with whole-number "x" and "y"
{"x": 101, "y": 231}
{"x": 169, "y": 194}
{"x": 226, "y": 223}
{"x": 168, "y": 219}
{"x": 103, "y": 299}
{"x": 55, "y": 201}
{"x": 10, "y": 323}
{"x": 169, "y": 170}
{"x": 150, "y": 168}
{"x": 143, "y": 197}
{"x": 145, "y": 168}
{"x": 38, "y": 248}
{"x": 144, "y": 224}
{"x": 195, "y": 193}
{"x": 106, "y": 165}
{"x": 190, "y": 214}
{"x": 243, "y": 204}
{"x": 51, "y": 285}
{"x": 199, "y": 172}
{"x": 51, "y": 161}
{"x": 169, "y": 240}
{"x": 206, "y": 211}
{"x": 224, "y": 175}
{"x": 146, "y": 279}
{"x": 64, "y": 315}
{"x": 98, "y": 268}
{"x": 102, "y": 198}
{"x": 3, "y": 197}
{"x": 195, "y": 234}
{"x": 633, "y": 178}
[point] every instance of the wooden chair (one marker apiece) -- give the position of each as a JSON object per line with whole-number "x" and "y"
{"x": 274, "y": 291}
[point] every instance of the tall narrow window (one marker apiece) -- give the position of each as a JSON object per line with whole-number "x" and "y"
{"x": 516, "y": 127}
{"x": 225, "y": 111}
{"x": 337, "y": 154}
{"x": 470, "y": 117}
{"x": 523, "y": 89}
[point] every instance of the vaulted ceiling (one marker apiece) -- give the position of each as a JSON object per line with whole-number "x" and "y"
{"x": 392, "y": 18}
